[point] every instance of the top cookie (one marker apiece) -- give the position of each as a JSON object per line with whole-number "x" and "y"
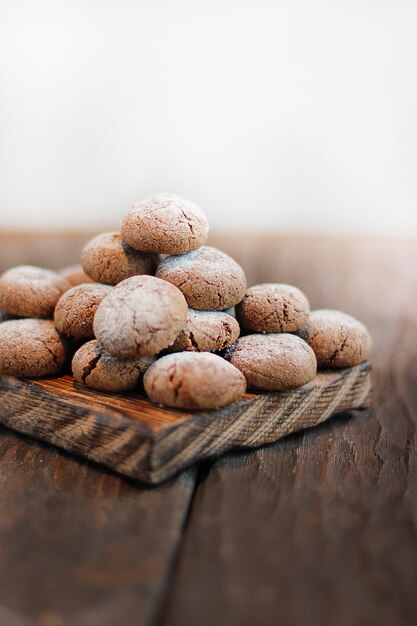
{"x": 29, "y": 291}
{"x": 338, "y": 339}
{"x": 273, "y": 308}
{"x": 107, "y": 259}
{"x": 209, "y": 279}
{"x": 166, "y": 224}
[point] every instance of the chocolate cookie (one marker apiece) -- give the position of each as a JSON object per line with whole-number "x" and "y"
{"x": 273, "y": 362}
{"x": 208, "y": 278}
{"x": 74, "y": 313}
{"x": 166, "y": 224}
{"x": 205, "y": 331}
{"x": 337, "y": 339}
{"x": 75, "y": 275}
{"x": 31, "y": 348}
{"x": 30, "y": 291}
{"x": 194, "y": 380}
{"x": 273, "y": 308}
{"x": 97, "y": 369}
{"x": 108, "y": 259}
{"x": 141, "y": 316}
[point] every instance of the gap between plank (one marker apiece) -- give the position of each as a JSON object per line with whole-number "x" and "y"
{"x": 201, "y": 472}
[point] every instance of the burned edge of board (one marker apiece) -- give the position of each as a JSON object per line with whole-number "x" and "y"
{"x": 144, "y": 441}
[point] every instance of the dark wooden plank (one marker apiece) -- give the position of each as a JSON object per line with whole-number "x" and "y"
{"x": 80, "y": 546}
{"x": 142, "y": 440}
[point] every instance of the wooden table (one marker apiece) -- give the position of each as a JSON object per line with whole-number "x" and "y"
{"x": 319, "y": 528}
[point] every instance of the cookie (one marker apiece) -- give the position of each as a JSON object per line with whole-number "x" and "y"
{"x": 206, "y": 331}
{"x": 194, "y": 380}
{"x": 29, "y": 291}
{"x": 273, "y": 362}
{"x": 32, "y": 348}
{"x": 108, "y": 259}
{"x": 338, "y": 339}
{"x": 74, "y": 313}
{"x": 273, "y": 308}
{"x": 166, "y": 224}
{"x": 75, "y": 275}
{"x": 99, "y": 370}
{"x": 209, "y": 279}
{"x": 141, "y": 316}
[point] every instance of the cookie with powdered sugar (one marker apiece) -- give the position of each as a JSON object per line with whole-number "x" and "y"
{"x": 209, "y": 279}
{"x": 166, "y": 224}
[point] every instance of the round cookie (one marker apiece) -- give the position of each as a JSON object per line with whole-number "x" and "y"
{"x": 29, "y": 291}
{"x": 273, "y": 308}
{"x": 108, "y": 259}
{"x": 209, "y": 279}
{"x": 31, "y": 348}
{"x": 97, "y": 369}
{"x": 338, "y": 339}
{"x": 273, "y": 362}
{"x": 194, "y": 380}
{"x": 74, "y": 313}
{"x": 206, "y": 331}
{"x": 141, "y": 316}
{"x": 166, "y": 224}
{"x": 75, "y": 275}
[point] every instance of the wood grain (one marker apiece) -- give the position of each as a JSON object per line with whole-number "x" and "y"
{"x": 141, "y": 440}
{"x": 319, "y": 528}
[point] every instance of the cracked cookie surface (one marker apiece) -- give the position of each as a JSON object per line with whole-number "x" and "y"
{"x": 166, "y": 224}
{"x": 209, "y": 279}
{"x": 141, "y": 316}
{"x": 99, "y": 370}
{"x": 194, "y": 380}
{"x": 273, "y": 308}
{"x": 205, "y": 331}
{"x": 76, "y": 308}
{"x": 273, "y": 362}
{"x": 31, "y": 348}
{"x": 338, "y": 339}
{"x": 108, "y": 259}
{"x": 29, "y": 291}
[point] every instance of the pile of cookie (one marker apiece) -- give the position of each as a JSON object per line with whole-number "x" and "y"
{"x": 154, "y": 304}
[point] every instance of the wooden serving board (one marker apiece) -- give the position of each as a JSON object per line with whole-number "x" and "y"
{"x": 142, "y": 440}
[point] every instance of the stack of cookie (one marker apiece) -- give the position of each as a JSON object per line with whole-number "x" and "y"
{"x": 153, "y": 302}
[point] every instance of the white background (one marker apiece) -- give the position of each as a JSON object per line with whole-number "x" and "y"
{"x": 296, "y": 115}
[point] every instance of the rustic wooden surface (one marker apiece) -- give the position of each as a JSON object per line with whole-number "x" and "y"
{"x": 141, "y": 440}
{"x": 319, "y": 528}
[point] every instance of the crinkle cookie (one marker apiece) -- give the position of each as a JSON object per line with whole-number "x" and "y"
{"x": 273, "y": 308}
{"x": 141, "y": 316}
{"x": 29, "y": 291}
{"x": 205, "y": 331}
{"x": 97, "y": 369}
{"x": 209, "y": 279}
{"x": 76, "y": 308}
{"x": 193, "y": 380}
{"x": 108, "y": 259}
{"x": 273, "y": 362}
{"x": 166, "y": 224}
{"x": 75, "y": 275}
{"x": 32, "y": 348}
{"x": 338, "y": 339}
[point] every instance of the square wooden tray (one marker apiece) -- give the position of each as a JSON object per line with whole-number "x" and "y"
{"x": 142, "y": 440}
